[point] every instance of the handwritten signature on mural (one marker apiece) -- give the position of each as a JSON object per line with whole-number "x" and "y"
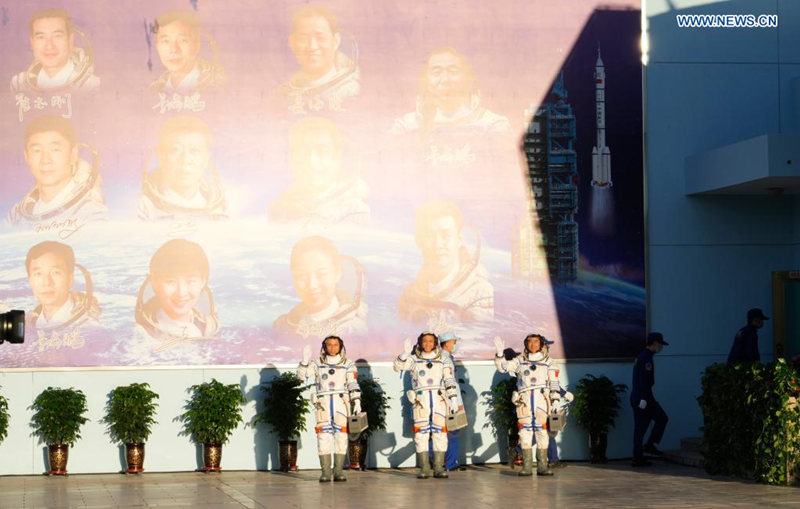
{"x": 318, "y": 329}
{"x": 446, "y": 155}
{"x": 179, "y": 103}
{"x": 301, "y": 104}
{"x": 58, "y": 102}
{"x": 65, "y": 228}
{"x": 54, "y": 341}
{"x": 182, "y": 228}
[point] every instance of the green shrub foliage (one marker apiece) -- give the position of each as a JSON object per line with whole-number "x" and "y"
{"x": 130, "y": 413}
{"x": 374, "y": 402}
{"x": 58, "y": 415}
{"x": 285, "y": 408}
{"x": 4, "y": 418}
{"x": 501, "y": 410}
{"x": 597, "y": 403}
{"x": 213, "y": 412}
{"x": 751, "y": 420}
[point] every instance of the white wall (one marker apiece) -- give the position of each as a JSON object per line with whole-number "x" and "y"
{"x": 256, "y": 448}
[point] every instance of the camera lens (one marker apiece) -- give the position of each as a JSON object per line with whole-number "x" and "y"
{"x": 12, "y": 326}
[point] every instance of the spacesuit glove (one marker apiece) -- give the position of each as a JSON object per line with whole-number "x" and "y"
{"x": 642, "y": 404}
{"x": 453, "y": 404}
{"x": 357, "y": 406}
{"x": 306, "y": 354}
{"x": 408, "y": 347}
{"x": 499, "y": 345}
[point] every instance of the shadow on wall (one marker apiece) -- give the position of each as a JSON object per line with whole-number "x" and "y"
{"x": 381, "y": 442}
{"x": 397, "y": 456}
{"x": 265, "y": 442}
{"x": 469, "y": 440}
{"x": 500, "y": 445}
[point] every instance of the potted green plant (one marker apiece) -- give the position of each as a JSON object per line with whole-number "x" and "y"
{"x": 502, "y": 414}
{"x": 130, "y": 417}
{"x": 212, "y": 413}
{"x": 4, "y": 418}
{"x": 596, "y": 405}
{"x": 57, "y": 419}
{"x": 285, "y": 410}
{"x": 374, "y": 402}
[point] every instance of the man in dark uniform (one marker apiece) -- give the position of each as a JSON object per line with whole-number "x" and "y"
{"x": 645, "y": 406}
{"x": 448, "y": 341}
{"x": 745, "y": 344}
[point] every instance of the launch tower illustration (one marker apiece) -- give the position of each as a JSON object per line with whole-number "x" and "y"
{"x": 601, "y": 155}
{"x": 553, "y": 167}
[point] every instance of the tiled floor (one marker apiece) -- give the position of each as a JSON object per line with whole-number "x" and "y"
{"x": 493, "y": 486}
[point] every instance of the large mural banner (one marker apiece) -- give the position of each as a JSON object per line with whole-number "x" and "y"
{"x": 221, "y": 183}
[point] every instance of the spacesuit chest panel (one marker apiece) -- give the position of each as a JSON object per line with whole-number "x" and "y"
{"x": 331, "y": 379}
{"x": 531, "y": 375}
{"x": 427, "y": 374}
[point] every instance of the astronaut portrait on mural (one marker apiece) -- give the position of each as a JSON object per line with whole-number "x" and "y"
{"x": 178, "y": 39}
{"x": 324, "y": 190}
{"x": 174, "y": 303}
{"x": 336, "y": 388}
{"x": 326, "y": 307}
{"x": 58, "y": 64}
{"x": 67, "y": 186}
{"x": 185, "y": 185}
{"x": 450, "y": 127}
{"x": 51, "y": 273}
{"x": 538, "y": 393}
{"x": 434, "y": 393}
{"x": 449, "y": 99}
{"x": 328, "y": 76}
{"x": 452, "y": 286}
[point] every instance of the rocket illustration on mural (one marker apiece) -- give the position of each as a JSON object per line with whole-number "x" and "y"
{"x": 601, "y": 214}
{"x": 601, "y": 154}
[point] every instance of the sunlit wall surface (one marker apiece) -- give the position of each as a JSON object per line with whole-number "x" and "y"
{"x": 187, "y": 183}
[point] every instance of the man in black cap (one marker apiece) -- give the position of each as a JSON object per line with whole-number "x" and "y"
{"x": 645, "y": 406}
{"x": 745, "y": 344}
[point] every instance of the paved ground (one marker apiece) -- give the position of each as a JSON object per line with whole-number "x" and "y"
{"x": 493, "y": 486}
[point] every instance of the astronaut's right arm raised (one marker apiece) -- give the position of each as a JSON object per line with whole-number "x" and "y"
{"x": 500, "y": 362}
{"x": 306, "y": 368}
{"x": 403, "y": 362}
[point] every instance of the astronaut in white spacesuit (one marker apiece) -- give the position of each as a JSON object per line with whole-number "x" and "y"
{"x": 433, "y": 393}
{"x": 537, "y": 392}
{"x": 336, "y": 385}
